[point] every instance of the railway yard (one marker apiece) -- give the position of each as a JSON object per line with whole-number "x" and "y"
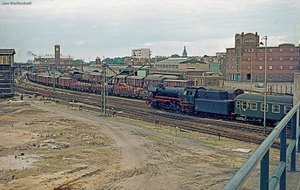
{"x": 63, "y": 143}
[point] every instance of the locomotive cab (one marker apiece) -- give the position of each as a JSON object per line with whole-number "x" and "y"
{"x": 190, "y": 93}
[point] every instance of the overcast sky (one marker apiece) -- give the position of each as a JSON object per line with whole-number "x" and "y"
{"x": 111, "y": 28}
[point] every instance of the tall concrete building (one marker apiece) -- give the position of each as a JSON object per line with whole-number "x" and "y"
{"x": 141, "y": 53}
{"x": 246, "y": 61}
{"x": 140, "y": 56}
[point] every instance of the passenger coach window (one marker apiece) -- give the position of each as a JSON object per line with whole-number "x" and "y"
{"x": 262, "y": 106}
{"x": 253, "y": 106}
{"x": 244, "y": 105}
{"x": 275, "y": 108}
{"x": 238, "y": 105}
{"x": 287, "y": 109}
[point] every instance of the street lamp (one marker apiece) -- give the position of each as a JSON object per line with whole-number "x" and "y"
{"x": 265, "y": 89}
{"x": 251, "y": 71}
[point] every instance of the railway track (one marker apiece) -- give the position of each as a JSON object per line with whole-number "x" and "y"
{"x": 137, "y": 109}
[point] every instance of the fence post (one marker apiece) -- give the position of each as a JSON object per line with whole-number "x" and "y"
{"x": 264, "y": 171}
{"x": 282, "y": 185}
{"x": 293, "y": 137}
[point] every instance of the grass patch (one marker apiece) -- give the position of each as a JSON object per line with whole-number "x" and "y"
{"x": 154, "y": 138}
{"x": 203, "y": 138}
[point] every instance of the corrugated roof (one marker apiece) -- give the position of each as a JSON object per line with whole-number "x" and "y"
{"x": 180, "y": 61}
{"x": 7, "y": 51}
{"x": 192, "y": 61}
{"x": 135, "y": 77}
{"x": 176, "y": 80}
{"x": 121, "y": 76}
{"x": 153, "y": 77}
{"x": 95, "y": 73}
{"x": 172, "y": 60}
{"x": 170, "y": 77}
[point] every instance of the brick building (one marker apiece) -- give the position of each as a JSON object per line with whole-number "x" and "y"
{"x": 246, "y": 61}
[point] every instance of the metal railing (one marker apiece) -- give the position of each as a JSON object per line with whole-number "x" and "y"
{"x": 262, "y": 154}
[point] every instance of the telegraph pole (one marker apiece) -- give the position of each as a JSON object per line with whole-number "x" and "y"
{"x": 105, "y": 81}
{"x": 104, "y": 92}
{"x": 56, "y": 62}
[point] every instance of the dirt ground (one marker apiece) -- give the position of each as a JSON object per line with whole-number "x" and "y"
{"x": 49, "y": 146}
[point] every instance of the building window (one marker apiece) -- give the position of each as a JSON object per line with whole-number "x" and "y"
{"x": 260, "y": 75}
{"x": 270, "y": 59}
{"x": 292, "y": 50}
{"x": 248, "y": 67}
{"x": 261, "y": 50}
{"x": 260, "y": 67}
{"x": 280, "y": 59}
{"x": 270, "y": 67}
{"x": 281, "y": 50}
{"x": 271, "y": 50}
{"x": 238, "y": 41}
{"x": 276, "y": 108}
{"x": 280, "y": 67}
{"x": 249, "y": 41}
{"x": 231, "y": 66}
{"x": 249, "y": 59}
{"x": 245, "y": 50}
{"x": 291, "y": 59}
{"x": 291, "y": 67}
{"x": 270, "y": 76}
{"x": 280, "y": 76}
{"x": 260, "y": 59}
{"x": 253, "y": 106}
{"x": 291, "y": 76}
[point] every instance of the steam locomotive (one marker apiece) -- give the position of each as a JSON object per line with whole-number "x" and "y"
{"x": 218, "y": 103}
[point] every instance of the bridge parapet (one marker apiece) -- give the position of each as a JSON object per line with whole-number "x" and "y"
{"x": 262, "y": 153}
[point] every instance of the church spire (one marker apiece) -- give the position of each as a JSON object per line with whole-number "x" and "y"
{"x": 184, "y": 53}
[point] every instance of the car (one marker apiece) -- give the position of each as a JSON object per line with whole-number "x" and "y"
{"x": 259, "y": 85}
{"x": 2, "y": 95}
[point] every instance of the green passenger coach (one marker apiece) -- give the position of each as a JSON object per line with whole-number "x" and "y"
{"x": 251, "y": 107}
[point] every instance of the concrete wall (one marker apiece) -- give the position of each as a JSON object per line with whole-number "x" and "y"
{"x": 296, "y": 88}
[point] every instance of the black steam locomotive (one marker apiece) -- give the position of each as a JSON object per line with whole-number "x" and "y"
{"x": 218, "y": 103}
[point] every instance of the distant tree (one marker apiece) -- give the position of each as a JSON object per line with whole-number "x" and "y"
{"x": 116, "y": 60}
{"x": 175, "y": 56}
{"x": 78, "y": 62}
